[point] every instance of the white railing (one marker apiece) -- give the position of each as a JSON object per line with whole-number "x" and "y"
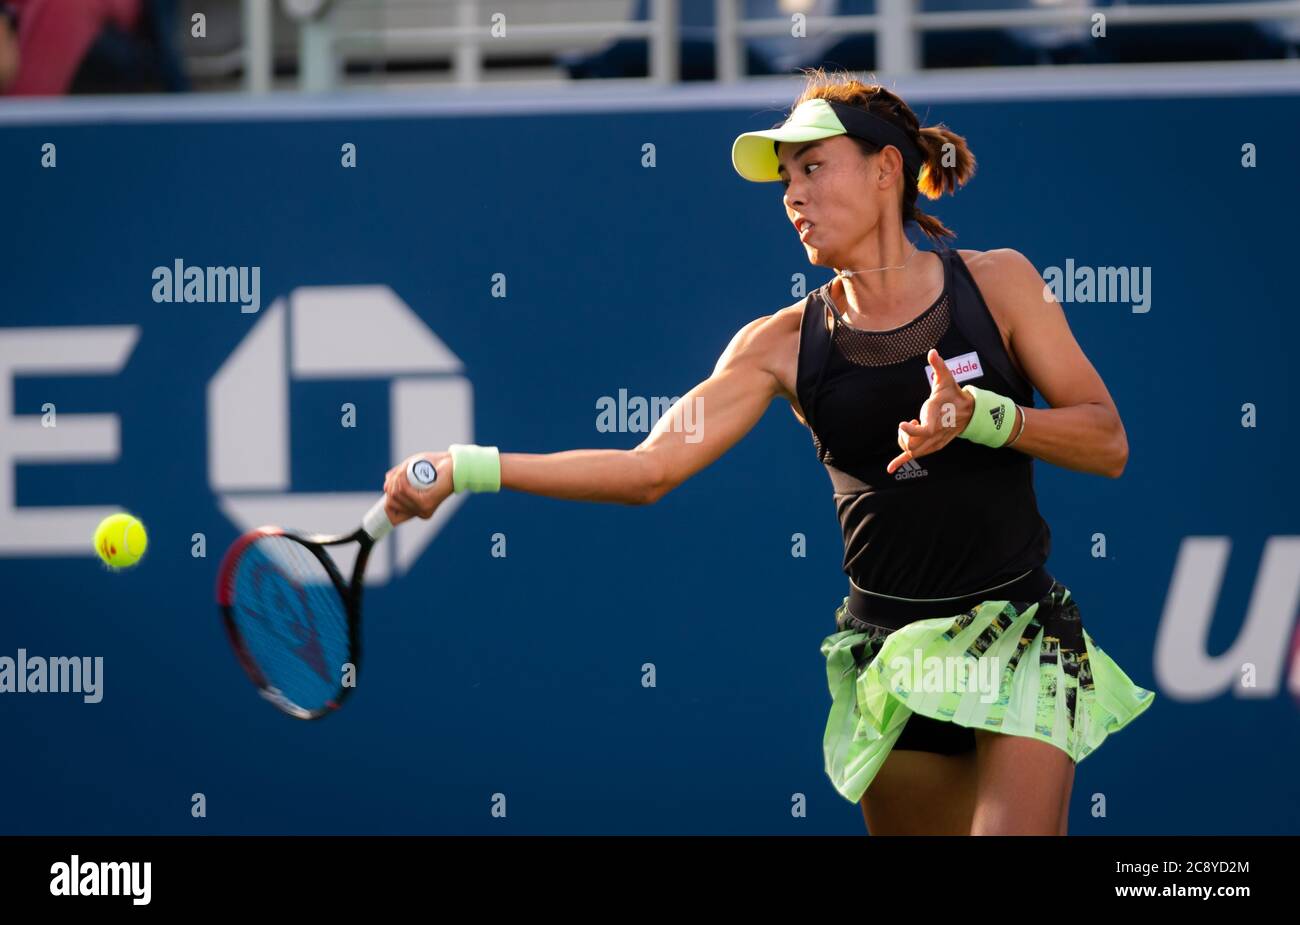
{"x": 257, "y": 45}
{"x": 897, "y": 25}
{"x": 323, "y": 44}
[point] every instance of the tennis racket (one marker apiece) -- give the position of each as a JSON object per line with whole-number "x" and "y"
{"x": 294, "y": 623}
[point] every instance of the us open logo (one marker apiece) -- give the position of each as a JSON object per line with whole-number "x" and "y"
{"x": 1262, "y": 660}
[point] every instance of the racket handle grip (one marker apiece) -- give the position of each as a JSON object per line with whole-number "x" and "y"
{"x": 376, "y": 522}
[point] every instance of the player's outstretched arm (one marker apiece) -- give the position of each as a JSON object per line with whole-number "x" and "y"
{"x": 706, "y": 422}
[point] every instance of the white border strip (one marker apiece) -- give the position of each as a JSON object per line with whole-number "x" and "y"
{"x": 1051, "y": 82}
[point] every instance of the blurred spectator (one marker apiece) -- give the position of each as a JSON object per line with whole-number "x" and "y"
{"x": 8, "y": 46}
{"x": 92, "y": 46}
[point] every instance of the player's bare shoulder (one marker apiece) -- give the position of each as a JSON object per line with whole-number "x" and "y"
{"x": 761, "y": 341}
{"x": 1004, "y": 272}
{"x": 783, "y": 326}
{"x": 770, "y": 343}
{"x": 1004, "y": 276}
{"x": 1000, "y": 260}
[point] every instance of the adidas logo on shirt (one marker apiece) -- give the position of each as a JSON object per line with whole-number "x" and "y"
{"x": 910, "y": 470}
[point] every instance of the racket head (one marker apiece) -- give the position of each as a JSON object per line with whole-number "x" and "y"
{"x": 292, "y": 621}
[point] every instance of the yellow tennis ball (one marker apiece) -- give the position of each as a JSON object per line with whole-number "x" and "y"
{"x": 120, "y": 540}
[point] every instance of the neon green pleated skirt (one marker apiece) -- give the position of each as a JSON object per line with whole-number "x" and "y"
{"x": 1025, "y": 668}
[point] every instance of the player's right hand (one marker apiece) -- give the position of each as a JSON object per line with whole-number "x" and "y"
{"x": 406, "y": 501}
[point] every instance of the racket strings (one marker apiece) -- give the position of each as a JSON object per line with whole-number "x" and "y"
{"x": 292, "y": 620}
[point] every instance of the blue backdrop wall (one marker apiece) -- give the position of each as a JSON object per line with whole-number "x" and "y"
{"x": 522, "y": 675}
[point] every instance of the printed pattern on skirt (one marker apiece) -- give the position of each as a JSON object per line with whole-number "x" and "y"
{"x": 1025, "y": 668}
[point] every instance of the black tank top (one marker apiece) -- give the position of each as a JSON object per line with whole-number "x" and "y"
{"x": 949, "y": 523}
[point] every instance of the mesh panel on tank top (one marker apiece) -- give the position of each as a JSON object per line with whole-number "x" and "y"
{"x": 883, "y": 348}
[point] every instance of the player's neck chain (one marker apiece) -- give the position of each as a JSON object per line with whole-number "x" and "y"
{"x": 847, "y": 273}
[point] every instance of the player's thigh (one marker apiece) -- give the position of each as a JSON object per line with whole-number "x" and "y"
{"x": 921, "y": 793}
{"x": 1021, "y": 785}
{"x": 1064, "y": 828}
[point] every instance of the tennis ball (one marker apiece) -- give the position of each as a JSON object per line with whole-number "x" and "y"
{"x": 120, "y": 540}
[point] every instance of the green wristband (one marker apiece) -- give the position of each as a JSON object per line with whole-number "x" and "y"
{"x": 992, "y": 420}
{"x": 475, "y": 468}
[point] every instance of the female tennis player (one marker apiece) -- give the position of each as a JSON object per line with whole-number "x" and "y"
{"x": 963, "y": 685}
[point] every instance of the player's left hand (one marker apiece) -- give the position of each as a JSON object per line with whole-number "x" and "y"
{"x": 944, "y": 415}
{"x": 405, "y": 501}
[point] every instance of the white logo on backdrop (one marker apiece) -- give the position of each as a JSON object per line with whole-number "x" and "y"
{"x": 332, "y": 332}
{"x": 1184, "y": 669}
{"x": 100, "y": 350}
